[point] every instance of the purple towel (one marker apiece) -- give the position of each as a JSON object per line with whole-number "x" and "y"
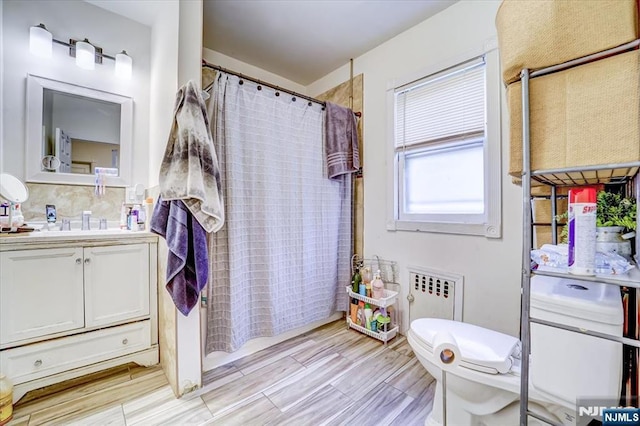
{"x": 188, "y": 260}
{"x": 341, "y": 141}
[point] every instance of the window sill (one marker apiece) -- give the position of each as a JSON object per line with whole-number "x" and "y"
{"x": 481, "y": 229}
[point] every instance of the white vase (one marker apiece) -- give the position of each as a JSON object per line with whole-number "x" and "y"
{"x": 609, "y": 239}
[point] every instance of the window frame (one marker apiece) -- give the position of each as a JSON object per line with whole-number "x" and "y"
{"x": 490, "y": 225}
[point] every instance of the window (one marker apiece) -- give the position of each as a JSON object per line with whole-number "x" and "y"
{"x": 446, "y": 150}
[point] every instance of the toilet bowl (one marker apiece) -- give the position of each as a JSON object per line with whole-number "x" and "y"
{"x": 483, "y": 380}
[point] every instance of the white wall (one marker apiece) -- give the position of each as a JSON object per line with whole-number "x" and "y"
{"x": 217, "y": 58}
{"x": 1, "y": 85}
{"x": 189, "y": 68}
{"x": 65, "y": 20}
{"x": 491, "y": 267}
{"x": 163, "y": 82}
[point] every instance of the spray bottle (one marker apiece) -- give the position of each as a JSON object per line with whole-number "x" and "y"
{"x": 582, "y": 231}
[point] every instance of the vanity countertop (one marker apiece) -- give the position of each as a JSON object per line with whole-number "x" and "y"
{"x": 44, "y": 239}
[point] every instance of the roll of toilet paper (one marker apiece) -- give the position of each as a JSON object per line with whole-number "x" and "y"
{"x": 446, "y": 351}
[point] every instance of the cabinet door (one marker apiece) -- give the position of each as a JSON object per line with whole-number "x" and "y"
{"x": 116, "y": 283}
{"x": 41, "y": 293}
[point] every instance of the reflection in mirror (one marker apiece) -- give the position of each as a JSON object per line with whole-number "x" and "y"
{"x": 82, "y": 133}
{"x": 72, "y": 131}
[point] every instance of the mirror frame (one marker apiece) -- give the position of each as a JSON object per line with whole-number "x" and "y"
{"x": 34, "y": 145}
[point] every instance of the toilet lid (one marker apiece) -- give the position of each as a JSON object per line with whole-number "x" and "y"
{"x": 480, "y": 349}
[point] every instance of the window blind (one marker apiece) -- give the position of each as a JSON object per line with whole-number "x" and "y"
{"x": 447, "y": 105}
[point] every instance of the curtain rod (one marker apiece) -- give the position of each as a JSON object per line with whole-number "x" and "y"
{"x": 273, "y": 86}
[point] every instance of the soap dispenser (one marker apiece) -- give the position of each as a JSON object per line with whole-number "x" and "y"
{"x": 377, "y": 286}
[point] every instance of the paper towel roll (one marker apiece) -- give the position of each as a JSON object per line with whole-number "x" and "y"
{"x": 446, "y": 351}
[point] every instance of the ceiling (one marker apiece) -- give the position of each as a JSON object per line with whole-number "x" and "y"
{"x": 304, "y": 40}
{"x": 140, "y": 11}
{"x": 301, "y": 40}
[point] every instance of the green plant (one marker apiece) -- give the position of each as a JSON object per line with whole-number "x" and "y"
{"x": 615, "y": 210}
{"x": 612, "y": 210}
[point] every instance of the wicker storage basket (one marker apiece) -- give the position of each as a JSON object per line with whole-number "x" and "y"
{"x": 538, "y": 34}
{"x": 541, "y": 209}
{"x": 542, "y": 235}
{"x": 584, "y": 116}
{"x": 544, "y": 190}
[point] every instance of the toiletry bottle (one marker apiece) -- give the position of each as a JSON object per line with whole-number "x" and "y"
{"x": 123, "y": 217}
{"x": 366, "y": 274}
{"x": 6, "y": 400}
{"x": 354, "y": 310}
{"x": 377, "y": 286}
{"x": 355, "y": 281}
{"x": 148, "y": 206}
{"x": 142, "y": 218}
{"x": 133, "y": 218}
{"x": 368, "y": 314}
{"x": 360, "y": 317}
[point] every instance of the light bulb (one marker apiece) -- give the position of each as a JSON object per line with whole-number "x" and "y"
{"x": 85, "y": 55}
{"x": 124, "y": 64}
{"x": 40, "y": 41}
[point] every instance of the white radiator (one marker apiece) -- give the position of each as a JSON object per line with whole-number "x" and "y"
{"x": 434, "y": 294}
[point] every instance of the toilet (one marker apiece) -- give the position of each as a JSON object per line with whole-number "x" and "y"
{"x": 483, "y": 380}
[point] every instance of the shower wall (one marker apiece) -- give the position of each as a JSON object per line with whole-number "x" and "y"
{"x": 340, "y": 95}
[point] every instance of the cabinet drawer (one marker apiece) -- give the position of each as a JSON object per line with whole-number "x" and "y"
{"x": 43, "y": 359}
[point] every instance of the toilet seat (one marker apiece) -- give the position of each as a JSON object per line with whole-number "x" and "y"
{"x": 481, "y": 349}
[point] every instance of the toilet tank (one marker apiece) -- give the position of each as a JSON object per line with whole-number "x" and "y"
{"x": 566, "y": 365}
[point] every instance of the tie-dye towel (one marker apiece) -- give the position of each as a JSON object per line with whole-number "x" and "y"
{"x": 189, "y": 170}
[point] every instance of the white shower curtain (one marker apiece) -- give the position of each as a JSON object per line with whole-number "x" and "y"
{"x": 282, "y": 259}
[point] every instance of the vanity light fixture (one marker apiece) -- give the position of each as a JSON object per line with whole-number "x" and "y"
{"x": 123, "y": 65}
{"x": 40, "y": 41}
{"x": 86, "y": 54}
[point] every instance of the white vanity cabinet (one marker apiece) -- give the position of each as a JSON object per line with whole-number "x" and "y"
{"x": 116, "y": 283}
{"x": 41, "y": 293}
{"x": 71, "y": 306}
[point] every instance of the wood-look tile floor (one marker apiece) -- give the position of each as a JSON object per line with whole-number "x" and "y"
{"x": 329, "y": 376}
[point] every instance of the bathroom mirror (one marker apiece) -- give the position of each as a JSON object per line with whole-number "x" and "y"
{"x": 73, "y": 130}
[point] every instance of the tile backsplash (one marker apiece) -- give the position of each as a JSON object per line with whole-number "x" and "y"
{"x": 71, "y": 201}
